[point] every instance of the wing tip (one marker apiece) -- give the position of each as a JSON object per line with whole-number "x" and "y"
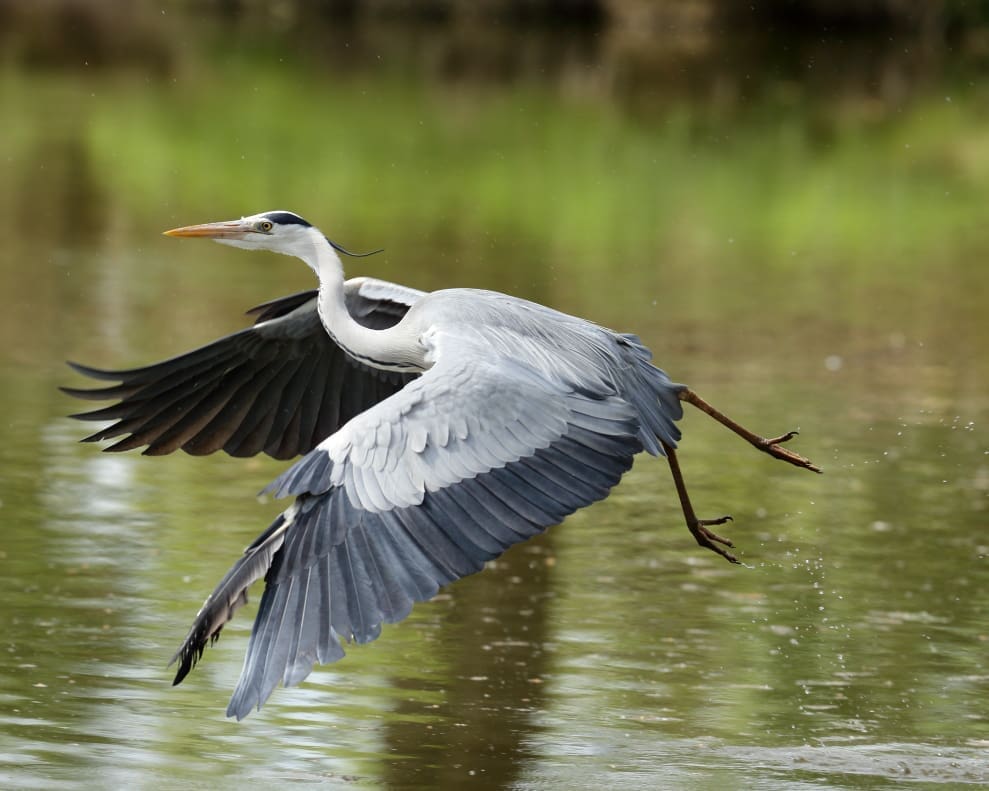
{"x": 189, "y": 656}
{"x": 94, "y": 373}
{"x": 190, "y": 653}
{"x": 91, "y": 394}
{"x": 239, "y": 709}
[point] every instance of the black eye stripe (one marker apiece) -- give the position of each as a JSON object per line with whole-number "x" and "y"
{"x": 286, "y": 218}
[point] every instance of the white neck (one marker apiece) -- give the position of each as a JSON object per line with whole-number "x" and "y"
{"x": 395, "y": 348}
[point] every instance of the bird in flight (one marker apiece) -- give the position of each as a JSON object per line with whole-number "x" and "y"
{"x": 436, "y": 430}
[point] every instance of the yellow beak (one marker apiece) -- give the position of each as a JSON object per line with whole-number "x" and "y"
{"x": 234, "y": 229}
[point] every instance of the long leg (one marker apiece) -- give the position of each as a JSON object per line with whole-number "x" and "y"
{"x": 698, "y": 527}
{"x": 774, "y": 447}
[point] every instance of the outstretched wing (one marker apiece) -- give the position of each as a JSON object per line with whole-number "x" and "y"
{"x": 476, "y": 455}
{"x": 279, "y": 387}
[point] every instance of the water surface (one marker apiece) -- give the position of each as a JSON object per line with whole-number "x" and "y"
{"x": 806, "y": 252}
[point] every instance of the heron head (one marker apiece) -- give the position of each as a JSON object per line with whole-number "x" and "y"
{"x": 279, "y": 231}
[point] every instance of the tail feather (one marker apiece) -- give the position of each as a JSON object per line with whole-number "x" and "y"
{"x": 655, "y": 396}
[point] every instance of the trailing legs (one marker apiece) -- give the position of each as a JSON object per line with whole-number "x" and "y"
{"x": 774, "y": 447}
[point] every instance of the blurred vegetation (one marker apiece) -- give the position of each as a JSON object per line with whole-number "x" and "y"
{"x": 624, "y": 139}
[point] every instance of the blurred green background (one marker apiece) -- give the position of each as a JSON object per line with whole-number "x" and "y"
{"x": 787, "y": 201}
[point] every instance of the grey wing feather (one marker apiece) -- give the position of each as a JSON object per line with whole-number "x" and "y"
{"x": 279, "y": 387}
{"x": 499, "y": 440}
{"x": 366, "y": 542}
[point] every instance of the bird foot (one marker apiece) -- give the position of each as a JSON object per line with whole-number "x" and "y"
{"x": 709, "y": 539}
{"x": 774, "y": 447}
{"x": 771, "y": 446}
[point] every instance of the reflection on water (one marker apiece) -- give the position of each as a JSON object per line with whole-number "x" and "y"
{"x": 795, "y": 225}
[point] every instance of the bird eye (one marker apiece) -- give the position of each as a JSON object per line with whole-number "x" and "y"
{"x": 265, "y": 226}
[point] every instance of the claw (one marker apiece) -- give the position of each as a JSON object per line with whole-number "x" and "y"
{"x": 710, "y": 540}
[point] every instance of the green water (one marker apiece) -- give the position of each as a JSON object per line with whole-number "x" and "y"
{"x": 809, "y": 252}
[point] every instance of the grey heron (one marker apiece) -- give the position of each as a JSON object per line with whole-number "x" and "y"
{"x": 436, "y": 430}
